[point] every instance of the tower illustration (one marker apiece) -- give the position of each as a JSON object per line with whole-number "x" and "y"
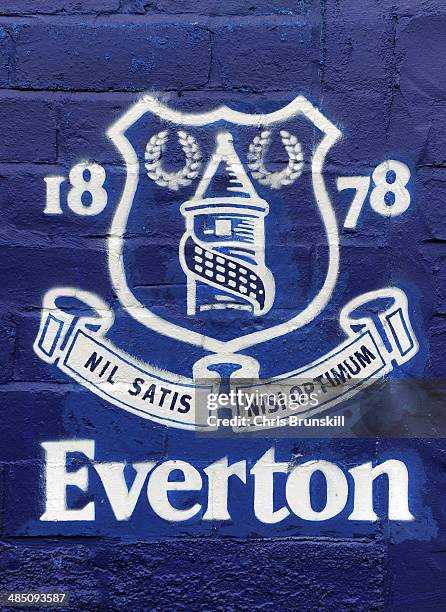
{"x": 222, "y": 251}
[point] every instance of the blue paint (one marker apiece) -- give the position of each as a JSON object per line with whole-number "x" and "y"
{"x": 377, "y": 72}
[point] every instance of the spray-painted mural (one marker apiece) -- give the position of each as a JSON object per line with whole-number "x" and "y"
{"x": 222, "y": 304}
{"x": 232, "y": 233}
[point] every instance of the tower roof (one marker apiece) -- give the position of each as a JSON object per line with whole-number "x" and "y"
{"x": 225, "y": 183}
{"x": 225, "y": 175}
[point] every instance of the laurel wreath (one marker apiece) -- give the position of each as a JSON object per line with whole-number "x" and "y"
{"x": 286, "y": 176}
{"x": 172, "y": 180}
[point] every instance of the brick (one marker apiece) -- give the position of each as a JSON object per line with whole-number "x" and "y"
{"x": 82, "y": 127}
{"x": 434, "y": 153}
{"x": 439, "y": 272}
{"x": 22, "y": 200}
{"x": 47, "y": 411}
{"x": 34, "y": 262}
{"x": 136, "y": 6}
{"x": 52, "y": 7}
{"x": 201, "y": 574}
{"x": 421, "y": 46}
{"x": 230, "y": 7}
{"x": 87, "y": 57}
{"x": 358, "y": 262}
{"x": 23, "y": 196}
{"x": 356, "y": 47}
{"x": 437, "y": 336}
{"x": 31, "y": 375}
{"x": 5, "y": 56}
{"x": 24, "y": 429}
{"x": 382, "y": 68}
{"x": 269, "y": 56}
{"x": 431, "y": 185}
{"x": 7, "y": 346}
{"x": 87, "y": 588}
{"x": 363, "y": 142}
{"x": 28, "y": 130}
{"x": 409, "y": 129}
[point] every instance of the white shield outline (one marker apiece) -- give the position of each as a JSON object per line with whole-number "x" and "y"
{"x": 145, "y": 316}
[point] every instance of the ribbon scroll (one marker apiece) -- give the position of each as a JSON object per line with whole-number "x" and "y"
{"x": 78, "y": 345}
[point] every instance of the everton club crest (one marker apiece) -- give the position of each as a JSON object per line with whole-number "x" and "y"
{"x": 225, "y": 237}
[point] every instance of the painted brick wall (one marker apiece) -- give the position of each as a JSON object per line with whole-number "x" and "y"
{"x": 68, "y": 69}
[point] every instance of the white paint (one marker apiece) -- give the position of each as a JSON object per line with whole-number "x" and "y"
{"x": 299, "y": 106}
{"x": 53, "y": 184}
{"x": 298, "y": 490}
{"x": 398, "y": 188}
{"x": 173, "y": 180}
{"x": 93, "y": 186}
{"x": 53, "y": 328}
{"x": 57, "y": 479}
{"x": 390, "y": 341}
{"x": 398, "y": 323}
{"x": 122, "y": 499}
{"x": 103, "y": 316}
{"x": 254, "y": 207}
{"x": 395, "y": 341}
{"x": 398, "y": 499}
{"x": 50, "y": 344}
{"x": 223, "y": 227}
{"x": 381, "y": 187}
{"x": 249, "y": 367}
{"x": 286, "y": 176}
{"x": 159, "y": 486}
{"x": 400, "y": 303}
{"x": 361, "y": 185}
{"x": 218, "y": 474}
{"x": 263, "y": 472}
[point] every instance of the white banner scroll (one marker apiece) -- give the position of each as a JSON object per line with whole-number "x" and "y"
{"x": 79, "y": 347}
{"x": 375, "y": 344}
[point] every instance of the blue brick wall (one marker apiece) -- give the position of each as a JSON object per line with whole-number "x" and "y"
{"x": 68, "y": 70}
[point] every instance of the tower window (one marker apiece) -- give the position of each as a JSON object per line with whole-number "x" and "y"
{"x": 223, "y": 227}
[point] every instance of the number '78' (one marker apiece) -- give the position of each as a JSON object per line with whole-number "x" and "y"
{"x": 389, "y": 196}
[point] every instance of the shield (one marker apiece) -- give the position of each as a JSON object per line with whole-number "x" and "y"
{"x": 212, "y": 239}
